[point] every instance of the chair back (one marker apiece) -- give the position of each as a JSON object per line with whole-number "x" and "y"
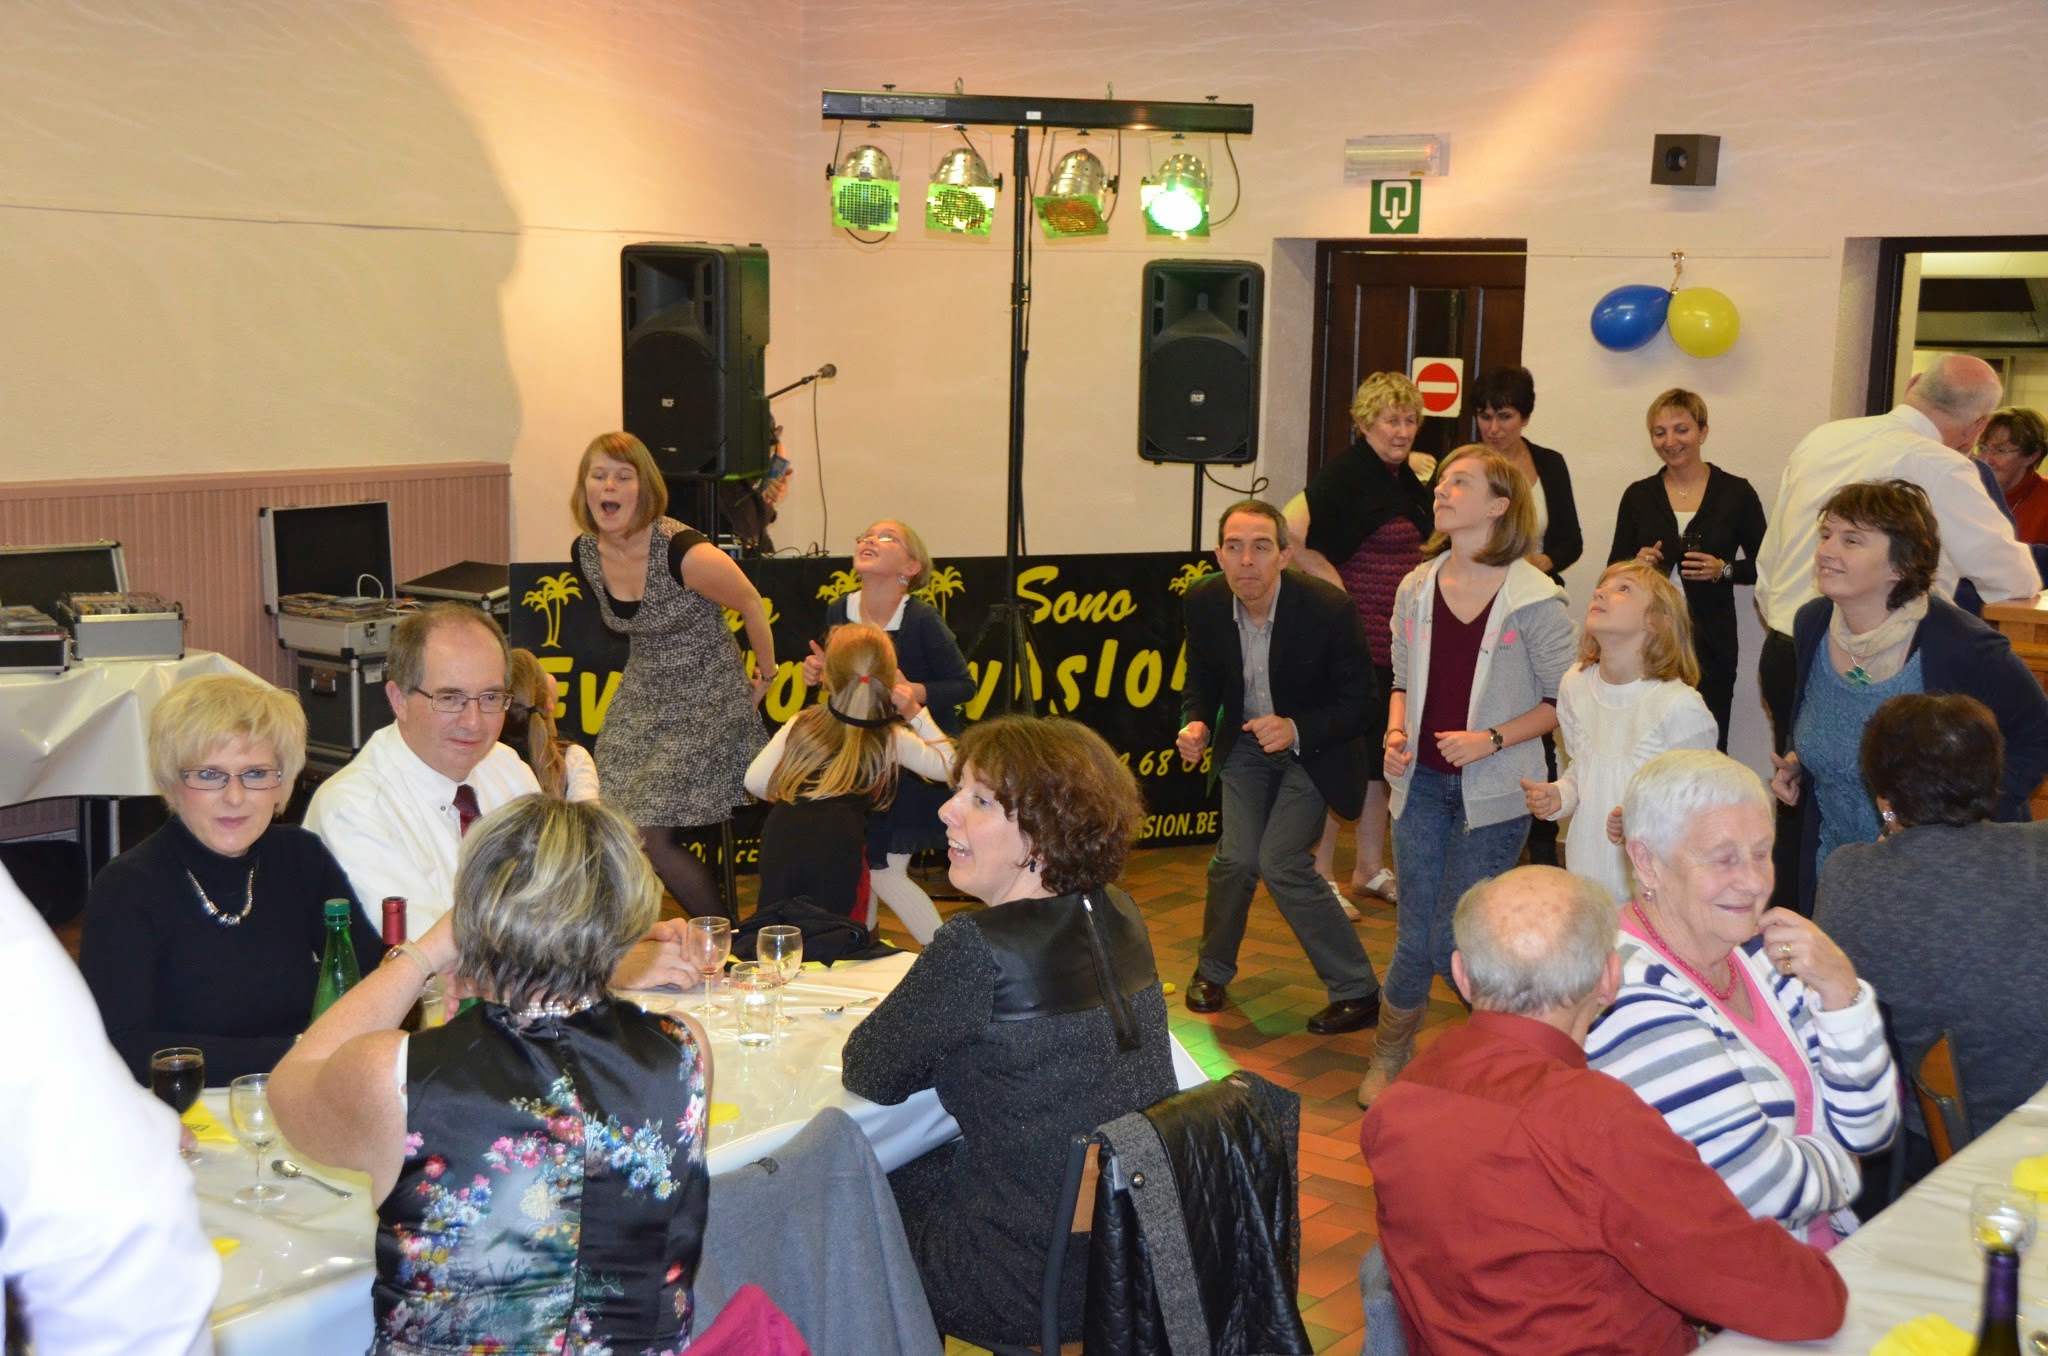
{"x": 1072, "y": 1217}
{"x": 1939, "y": 1090}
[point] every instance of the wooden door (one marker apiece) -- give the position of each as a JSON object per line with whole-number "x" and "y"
{"x": 1379, "y": 305}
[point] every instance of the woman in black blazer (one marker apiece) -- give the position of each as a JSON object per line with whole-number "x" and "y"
{"x": 1713, "y": 549}
{"x": 1504, "y": 398}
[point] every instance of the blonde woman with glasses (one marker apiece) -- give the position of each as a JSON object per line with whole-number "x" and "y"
{"x": 207, "y": 932}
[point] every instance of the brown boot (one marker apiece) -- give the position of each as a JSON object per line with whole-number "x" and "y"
{"x": 1393, "y": 1043}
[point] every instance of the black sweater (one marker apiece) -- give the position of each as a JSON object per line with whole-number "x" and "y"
{"x": 164, "y": 973}
{"x": 1729, "y": 526}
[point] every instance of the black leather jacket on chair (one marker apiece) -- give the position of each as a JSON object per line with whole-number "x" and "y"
{"x": 1199, "y": 1248}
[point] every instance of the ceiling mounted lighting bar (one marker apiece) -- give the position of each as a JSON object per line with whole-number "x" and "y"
{"x": 1004, "y": 110}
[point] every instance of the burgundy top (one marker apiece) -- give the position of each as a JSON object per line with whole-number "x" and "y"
{"x": 1373, "y": 573}
{"x": 1526, "y": 1203}
{"x": 1447, "y": 702}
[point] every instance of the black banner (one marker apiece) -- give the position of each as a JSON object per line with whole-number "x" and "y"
{"x": 1107, "y": 646}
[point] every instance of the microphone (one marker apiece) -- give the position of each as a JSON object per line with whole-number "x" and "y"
{"x": 828, "y": 370}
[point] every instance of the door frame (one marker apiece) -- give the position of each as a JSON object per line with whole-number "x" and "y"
{"x": 1890, "y": 287}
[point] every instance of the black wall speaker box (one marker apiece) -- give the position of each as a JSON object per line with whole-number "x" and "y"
{"x": 1687, "y": 159}
{"x": 1198, "y": 367}
{"x": 695, "y": 322}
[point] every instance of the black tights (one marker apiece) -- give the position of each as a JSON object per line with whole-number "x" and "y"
{"x": 682, "y": 873}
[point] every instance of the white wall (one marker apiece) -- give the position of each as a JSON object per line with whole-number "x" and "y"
{"x": 236, "y": 236}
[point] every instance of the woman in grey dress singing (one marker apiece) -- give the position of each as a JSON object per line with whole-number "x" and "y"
{"x": 682, "y": 727}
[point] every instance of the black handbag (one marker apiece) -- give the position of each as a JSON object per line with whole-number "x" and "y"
{"x": 828, "y": 936}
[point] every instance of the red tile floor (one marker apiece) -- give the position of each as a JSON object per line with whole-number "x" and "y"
{"x": 1262, "y": 1029}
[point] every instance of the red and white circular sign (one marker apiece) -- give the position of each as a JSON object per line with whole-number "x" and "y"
{"x": 1442, "y": 383}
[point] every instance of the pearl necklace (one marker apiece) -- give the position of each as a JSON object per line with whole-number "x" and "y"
{"x": 1720, "y": 995}
{"x": 226, "y": 920}
{"x": 555, "y": 1008}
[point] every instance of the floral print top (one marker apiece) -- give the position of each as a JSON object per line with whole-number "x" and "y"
{"x": 553, "y": 1195}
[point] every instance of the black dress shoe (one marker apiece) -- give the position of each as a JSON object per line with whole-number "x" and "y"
{"x": 1205, "y": 995}
{"x": 1350, "y": 1014}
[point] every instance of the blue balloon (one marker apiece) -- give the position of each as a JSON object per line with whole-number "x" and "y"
{"x": 1629, "y": 317}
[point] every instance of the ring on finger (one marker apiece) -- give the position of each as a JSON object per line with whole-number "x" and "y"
{"x": 1785, "y": 949}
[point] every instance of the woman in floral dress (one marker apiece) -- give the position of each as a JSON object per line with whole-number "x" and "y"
{"x": 539, "y": 1161}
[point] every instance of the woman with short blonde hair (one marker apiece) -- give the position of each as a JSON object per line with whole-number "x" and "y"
{"x": 208, "y": 932}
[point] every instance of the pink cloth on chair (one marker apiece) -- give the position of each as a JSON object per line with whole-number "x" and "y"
{"x": 750, "y": 1325}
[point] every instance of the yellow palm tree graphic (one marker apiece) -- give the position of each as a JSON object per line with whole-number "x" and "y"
{"x": 945, "y": 583}
{"x": 839, "y": 585}
{"x": 1192, "y": 573}
{"x": 548, "y": 599}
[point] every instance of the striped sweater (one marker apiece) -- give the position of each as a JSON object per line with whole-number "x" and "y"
{"x": 1665, "y": 1039}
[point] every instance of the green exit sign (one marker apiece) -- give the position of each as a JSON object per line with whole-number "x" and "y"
{"x": 1396, "y": 206}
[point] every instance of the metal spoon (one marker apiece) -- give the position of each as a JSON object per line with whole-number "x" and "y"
{"x": 834, "y": 1012}
{"x": 284, "y": 1167}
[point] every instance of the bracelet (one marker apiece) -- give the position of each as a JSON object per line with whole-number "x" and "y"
{"x": 418, "y": 957}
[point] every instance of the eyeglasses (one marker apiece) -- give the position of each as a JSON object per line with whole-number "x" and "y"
{"x": 876, "y": 539}
{"x": 251, "y": 778}
{"x": 452, "y": 703}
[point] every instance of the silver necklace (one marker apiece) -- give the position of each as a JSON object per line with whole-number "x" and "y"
{"x": 226, "y": 920}
{"x": 533, "y": 1012}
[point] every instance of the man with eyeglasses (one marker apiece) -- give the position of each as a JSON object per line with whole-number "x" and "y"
{"x": 1279, "y": 676}
{"x": 395, "y": 816}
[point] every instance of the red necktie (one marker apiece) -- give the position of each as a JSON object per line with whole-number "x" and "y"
{"x": 465, "y": 806}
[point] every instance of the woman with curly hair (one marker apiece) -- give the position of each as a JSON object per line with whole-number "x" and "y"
{"x": 1034, "y": 1018}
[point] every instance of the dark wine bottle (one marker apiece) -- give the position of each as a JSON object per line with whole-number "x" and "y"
{"x": 1998, "y": 1334}
{"x": 394, "y": 937}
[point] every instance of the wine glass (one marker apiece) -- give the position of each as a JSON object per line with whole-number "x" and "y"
{"x": 2002, "y": 1218}
{"x": 781, "y": 950}
{"x": 754, "y": 985}
{"x": 254, "y": 1125}
{"x": 710, "y": 944}
{"x": 177, "y": 1075}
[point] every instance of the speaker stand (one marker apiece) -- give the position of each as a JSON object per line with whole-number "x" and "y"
{"x": 1195, "y": 529}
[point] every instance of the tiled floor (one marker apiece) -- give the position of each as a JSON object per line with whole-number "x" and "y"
{"x": 1262, "y": 1029}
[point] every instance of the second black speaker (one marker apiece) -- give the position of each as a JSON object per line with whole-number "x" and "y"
{"x": 1198, "y": 368}
{"x": 695, "y": 326}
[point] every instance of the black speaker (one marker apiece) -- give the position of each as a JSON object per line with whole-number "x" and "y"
{"x": 1687, "y": 159}
{"x": 1198, "y": 368}
{"x": 695, "y": 323}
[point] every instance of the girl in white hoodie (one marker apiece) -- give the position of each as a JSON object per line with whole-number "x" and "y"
{"x": 1480, "y": 640}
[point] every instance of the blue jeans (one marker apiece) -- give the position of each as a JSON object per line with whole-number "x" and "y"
{"x": 1439, "y": 859}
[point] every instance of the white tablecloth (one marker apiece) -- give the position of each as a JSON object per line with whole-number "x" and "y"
{"x": 1916, "y": 1257}
{"x": 299, "y": 1282}
{"x": 86, "y": 732}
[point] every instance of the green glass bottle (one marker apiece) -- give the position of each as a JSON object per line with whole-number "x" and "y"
{"x": 338, "y": 972}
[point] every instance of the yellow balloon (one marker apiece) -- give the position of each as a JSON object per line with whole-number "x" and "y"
{"x": 1703, "y": 322}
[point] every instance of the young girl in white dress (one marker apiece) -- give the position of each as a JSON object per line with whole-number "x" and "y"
{"x": 1632, "y": 695}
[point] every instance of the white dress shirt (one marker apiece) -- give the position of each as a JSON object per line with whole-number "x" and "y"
{"x": 1977, "y": 542}
{"x": 102, "y": 1235}
{"x": 390, "y": 820}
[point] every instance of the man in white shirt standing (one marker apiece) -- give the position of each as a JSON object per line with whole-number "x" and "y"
{"x": 395, "y": 816}
{"x": 1926, "y": 439}
{"x": 101, "y": 1235}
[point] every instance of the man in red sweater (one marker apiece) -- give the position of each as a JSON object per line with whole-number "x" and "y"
{"x": 1527, "y": 1203}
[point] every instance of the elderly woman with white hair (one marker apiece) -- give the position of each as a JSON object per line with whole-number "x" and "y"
{"x": 537, "y": 1163}
{"x": 208, "y": 932}
{"x": 1743, "y": 1024}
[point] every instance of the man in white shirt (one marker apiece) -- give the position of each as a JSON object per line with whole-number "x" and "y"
{"x": 101, "y": 1233}
{"x": 395, "y": 816}
{"x": 1926, "y": 439}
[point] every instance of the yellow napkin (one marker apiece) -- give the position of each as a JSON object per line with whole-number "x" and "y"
{"x": 1927, "y": 1335}
{"x": 206, "y": 1127}
{"x": 2031, "y": 1174}
{"x": 224, "y": 1246}
{"x": 721, "y": 1112}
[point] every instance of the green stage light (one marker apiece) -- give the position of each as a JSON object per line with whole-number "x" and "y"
{"x": 1176, "y": 200}
{"x": 962, "y": 194}
{"x": 865, "y": 191}
{"x": 1072, "y": 202}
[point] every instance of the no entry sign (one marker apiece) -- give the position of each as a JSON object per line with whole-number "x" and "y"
{"x": 1442, "y": 383}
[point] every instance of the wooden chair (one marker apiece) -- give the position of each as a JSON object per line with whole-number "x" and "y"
{"x": 1939, "y": 1089}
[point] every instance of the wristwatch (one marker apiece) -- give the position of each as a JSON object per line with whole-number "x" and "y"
{"x": 1727, "y": 569}
{"x": 1497, "y": 740}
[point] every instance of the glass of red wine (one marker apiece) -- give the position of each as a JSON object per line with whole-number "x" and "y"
{"x": 177, "y": 1076}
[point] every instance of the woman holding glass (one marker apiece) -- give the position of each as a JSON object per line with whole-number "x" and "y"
{"x": 208, "y": 932}
{"x": 1034, "y": 1018}
{"x": 1362, "y": 522}
{"x": 1703, "y": 524}
{"x": 1746, "y": 1026}
{"x": 476, "y": 1135}
{"x": 682, "y": 727}
{"x": 1876, "y": 632}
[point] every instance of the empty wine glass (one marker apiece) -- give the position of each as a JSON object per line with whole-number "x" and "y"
{"x": 781, "y": 950}
{"x": 254, "y": 1125}
{"x": 710, "y": 944}
{"x": 754, "y": 985}
{"x": 2002, "y": 1218}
